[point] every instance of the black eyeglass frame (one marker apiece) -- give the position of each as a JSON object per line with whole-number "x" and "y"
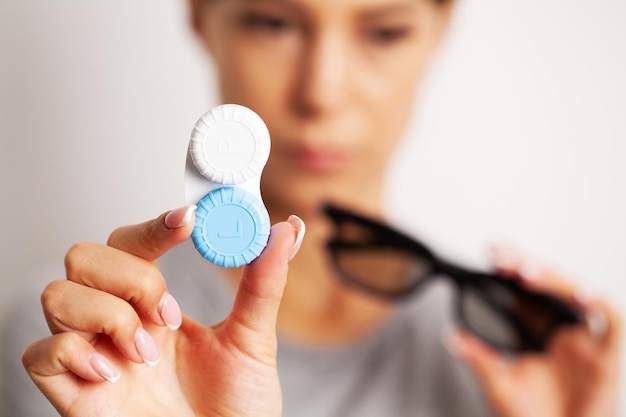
{"x": 562, "y": 314}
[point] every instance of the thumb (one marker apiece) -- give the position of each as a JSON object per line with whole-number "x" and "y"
{"x": 495, "y": 372}
{"x": 484, "y": 360}
{"x": 252, "y": 322}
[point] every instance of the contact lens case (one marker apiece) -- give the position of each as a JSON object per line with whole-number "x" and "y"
{"x": 228, "y": 149}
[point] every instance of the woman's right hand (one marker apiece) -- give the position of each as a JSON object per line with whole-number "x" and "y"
{"x": 113, "y": 315}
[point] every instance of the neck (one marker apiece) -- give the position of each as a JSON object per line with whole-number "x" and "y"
{"x": 316, "y": 307}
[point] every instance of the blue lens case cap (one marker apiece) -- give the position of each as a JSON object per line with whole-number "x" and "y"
{"x": 232, "y": 227}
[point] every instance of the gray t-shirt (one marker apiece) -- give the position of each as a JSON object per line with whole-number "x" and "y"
{"x": 399, "y": 369}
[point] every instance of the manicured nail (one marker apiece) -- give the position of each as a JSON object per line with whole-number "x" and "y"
{"x": 505, "y": 257}
{"x": 179, "y": 217}
{"x": 585, "y": 295}
{"x": 104, "y": 367}
{"x": 300, "y": 227}
{"x": 170, "y": 312}
{"x": 446, "y": 336}
{"x": 531, "y": 271}
{"x": 146, "y": 347}
{"x": 595, "y": 319}
{"x": 596, "y": 323}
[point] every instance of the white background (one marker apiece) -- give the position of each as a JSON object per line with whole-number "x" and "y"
{"x": 520, "y": 134}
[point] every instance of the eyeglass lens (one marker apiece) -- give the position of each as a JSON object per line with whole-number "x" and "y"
{"x": 497, "y": 310}
{"x": 387, "y": 270}
{"x": 487, "y": 321}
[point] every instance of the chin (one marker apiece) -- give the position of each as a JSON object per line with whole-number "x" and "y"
{"x": 305, "y": 195}
{"x": 300, "y": 197}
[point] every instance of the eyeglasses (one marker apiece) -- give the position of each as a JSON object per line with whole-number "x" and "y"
{"x": 387, "y": 263}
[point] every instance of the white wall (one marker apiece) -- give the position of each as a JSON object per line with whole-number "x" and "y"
{"x": 98, "y": 100}
{"x": 521, "y": 134}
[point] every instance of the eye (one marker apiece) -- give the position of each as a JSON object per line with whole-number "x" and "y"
{"x": 387, "y": 35}
{"x": 266, "y": 23}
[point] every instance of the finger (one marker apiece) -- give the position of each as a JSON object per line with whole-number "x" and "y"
{"x": 593, "y": 312}
{"x": 592, "y": 359}
{"x": 53, "y": 364}
{"x": 492, "y": 369}
{"x": 153, "y": 238}
{"x": 506, "y": 259}
{"x": 126, "y": 276}
{"x": 98, "y": 313}
{"x": 538, "y": 278}
{"x": 532, "y": 274}
{"x": 485, "y": 361}
{"x": 603, "y": 321}
{"x": 252, "y": 322}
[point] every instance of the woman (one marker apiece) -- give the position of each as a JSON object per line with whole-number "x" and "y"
{"x": 334, "y": 81}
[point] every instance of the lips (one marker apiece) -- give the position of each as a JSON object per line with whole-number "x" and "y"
{"x": 321, "y": 161}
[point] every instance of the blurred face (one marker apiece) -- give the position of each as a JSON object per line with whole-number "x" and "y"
{"x": 334, "y": 81}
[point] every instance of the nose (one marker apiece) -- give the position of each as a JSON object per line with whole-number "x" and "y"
{"x": 323, "y": 82}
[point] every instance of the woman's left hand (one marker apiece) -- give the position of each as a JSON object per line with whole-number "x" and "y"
{"x": 578, "y": 374}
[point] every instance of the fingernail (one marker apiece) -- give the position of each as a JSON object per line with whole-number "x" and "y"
{"x": 531, "y": 271}
{"x": 504, "y": 257}
{"x": 146, "y": 347}
{"x": 453, "y": 341}
{"x": 446, "y": 337}
{"x": 595, "y": 320}
{"x": 596, "y": 323}
{"x": 179, "y": 217}
{"x": 170, "y": 312}
{"x": 585, "y": 295}
{"x": 104, "y": 367}
{"x": 300, "y": 227}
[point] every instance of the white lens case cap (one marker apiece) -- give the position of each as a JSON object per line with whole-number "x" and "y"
{"x": 228, "y": 150}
